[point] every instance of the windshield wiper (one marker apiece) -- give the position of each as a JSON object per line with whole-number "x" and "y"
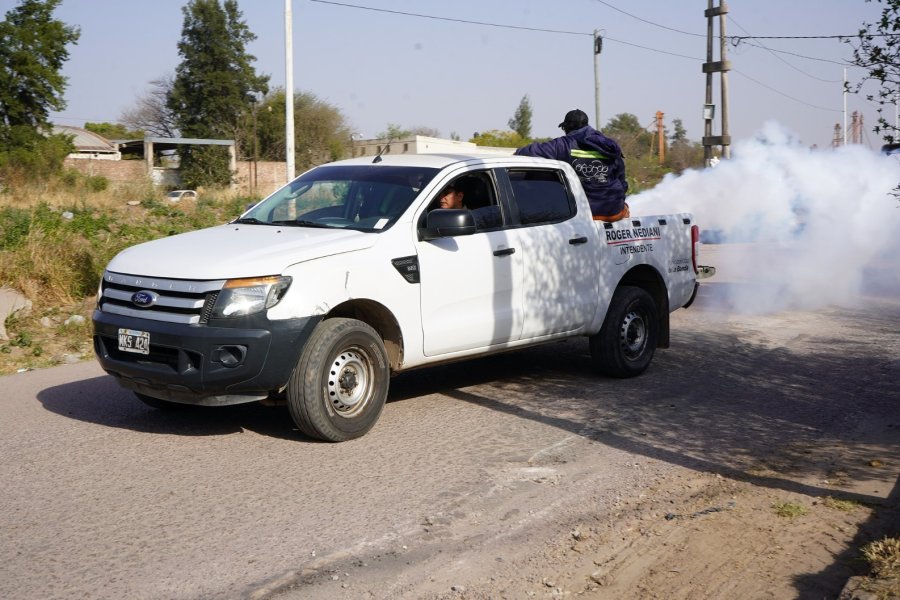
{"x": 250, "y": 221}
{"x": 301, "y": 223}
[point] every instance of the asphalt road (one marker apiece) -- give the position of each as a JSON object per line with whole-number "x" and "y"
{"x": 102, "y": 497}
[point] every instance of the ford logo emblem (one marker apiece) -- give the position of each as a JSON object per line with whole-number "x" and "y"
{"x": 144, "y": 298}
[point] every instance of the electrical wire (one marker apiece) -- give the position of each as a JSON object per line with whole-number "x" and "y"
{"x": 436, "y": 18}
{"x": 809, "y": 37}
{"x": 603, "y": 2}
{"x": 504, "y": 26}
{"x": 735, "y": 41}
{"x": 501, "y": 25}
{"x": 768, "y": 87}
{"x": 834, "y": 62}
{"x": 769, "y": 50}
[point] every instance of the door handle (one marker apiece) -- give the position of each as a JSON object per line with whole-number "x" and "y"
{"x": 578, "y": 240}
{"x": 504, "y": 252}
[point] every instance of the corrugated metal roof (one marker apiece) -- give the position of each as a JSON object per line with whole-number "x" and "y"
{"x": 86, "y": 141}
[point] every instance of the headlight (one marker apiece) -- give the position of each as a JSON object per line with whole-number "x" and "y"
{"x": 242, "y": 297}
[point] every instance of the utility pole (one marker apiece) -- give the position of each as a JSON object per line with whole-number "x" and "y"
{"x": 722, "y": 67}
{"x": 844, "y": 138}
{"x": 289, "y": 89}
{"x": 598, "y": 46}
{"x": 661, "y": 136}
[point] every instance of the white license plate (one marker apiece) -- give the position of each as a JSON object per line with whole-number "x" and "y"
{"x": 131, "y": 340}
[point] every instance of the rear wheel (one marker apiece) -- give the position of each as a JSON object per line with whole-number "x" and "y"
{"x": 339, "y": 387}
{"x": 627, "y": 341}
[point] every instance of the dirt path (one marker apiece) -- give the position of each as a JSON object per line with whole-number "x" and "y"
{"x": 518, "y": 476}
{"x": 758, "y": 468}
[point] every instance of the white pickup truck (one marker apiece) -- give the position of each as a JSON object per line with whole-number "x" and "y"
{"x": 349, "y": 274}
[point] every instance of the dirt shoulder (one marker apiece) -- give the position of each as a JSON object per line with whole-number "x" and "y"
{"x": 689, "y": 535}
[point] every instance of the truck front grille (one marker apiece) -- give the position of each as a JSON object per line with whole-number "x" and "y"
{"x": 171, "y": 300}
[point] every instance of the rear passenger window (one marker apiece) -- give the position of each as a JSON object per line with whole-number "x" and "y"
{"x": 541, "y": 195}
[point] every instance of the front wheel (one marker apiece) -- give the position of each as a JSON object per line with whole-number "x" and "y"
{"x": 340, "y": 384}
{"x": 627, "y": 340}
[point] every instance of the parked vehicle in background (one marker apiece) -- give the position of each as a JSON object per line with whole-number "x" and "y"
{"x": 179, "y": 195}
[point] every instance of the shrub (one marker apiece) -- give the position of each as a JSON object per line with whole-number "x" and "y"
{"x": 96, "y": 183}
{"x": 15, "y": 223}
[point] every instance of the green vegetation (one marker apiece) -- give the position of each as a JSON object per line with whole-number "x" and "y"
{"x": 500, "y": 139}
{"x": 789, "y": 510}
{"x": 841, "y": 505}
{"x": 33, "y": 49}
{"x": 877, "y": 50}
{"x": 397, "y": 132}
{"x": 55, "y": 245}
{"x": 114, "y": 131}
{"x": 521, "y": 120}
{"x": 213, "y": 50}
{"x": 56, "y": 254}
{"x": 320, "y": 130}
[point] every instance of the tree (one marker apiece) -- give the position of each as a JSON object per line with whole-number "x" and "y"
{"x": 521, "y": 120}
{"x": 33, "y": 49}
{"x": 683, "y": 153}
{"x": 680, "y": 135}
{"x": 215, "y": 84}
{"x": 633, "y": 138}
{"x": 321, "y": 133}
{"x": 879, "y": 53}
{"x": 396, "y": 132}
{"x": 498, "y": 138}
{"x": 114, "y": 131}
{"x": 152, "y": 114}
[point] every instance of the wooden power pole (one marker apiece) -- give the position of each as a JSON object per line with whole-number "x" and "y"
{"x": 722, "y": 66}
{"x": 661, "y": 136}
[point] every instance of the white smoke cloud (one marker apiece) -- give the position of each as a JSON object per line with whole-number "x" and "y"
{"x": 804, "y": 228}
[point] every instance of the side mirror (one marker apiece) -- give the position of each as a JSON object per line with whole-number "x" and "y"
{"x": 446, "y": 222}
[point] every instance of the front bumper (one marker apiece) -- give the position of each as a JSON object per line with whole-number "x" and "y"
{"x": 204, "y": 364}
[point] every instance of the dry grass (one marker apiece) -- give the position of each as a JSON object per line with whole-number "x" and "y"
{"x": 54, "y": 245}
{"x": 841, "y": 505}
{"x": 789, "y": 510}
{"x": 883, "y": 557}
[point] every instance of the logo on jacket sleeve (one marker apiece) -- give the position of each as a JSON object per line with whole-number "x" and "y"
{"x": 144, "y": 298}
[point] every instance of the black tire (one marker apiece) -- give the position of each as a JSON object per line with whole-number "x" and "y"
{"x": 339, "y": 387}
{"x": 160, "y": 404}
{"x": 627, "y": 340}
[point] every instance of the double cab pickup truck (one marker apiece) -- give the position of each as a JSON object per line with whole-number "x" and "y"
{"x": 352, "y": 273}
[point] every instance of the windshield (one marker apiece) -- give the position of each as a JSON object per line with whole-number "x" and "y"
{"x": 363, "y": 197}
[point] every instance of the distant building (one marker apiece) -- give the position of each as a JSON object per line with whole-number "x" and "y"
{"x": 422, "y": 144}
{"x": 89, "y": 144}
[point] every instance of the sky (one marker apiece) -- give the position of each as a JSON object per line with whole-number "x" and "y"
{"x": 460, "y": 77}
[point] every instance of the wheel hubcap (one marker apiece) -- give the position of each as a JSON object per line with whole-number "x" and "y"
{"x": 633, "y": 334}
{"x": 349, "y": 382}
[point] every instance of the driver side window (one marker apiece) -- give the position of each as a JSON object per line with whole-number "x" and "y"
{"x": 476, "y": 192}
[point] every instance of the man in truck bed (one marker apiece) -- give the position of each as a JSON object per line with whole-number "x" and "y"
{"x": 596, "y": 158}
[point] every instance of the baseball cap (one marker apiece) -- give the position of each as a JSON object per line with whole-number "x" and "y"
{"x": 575, "y": 119}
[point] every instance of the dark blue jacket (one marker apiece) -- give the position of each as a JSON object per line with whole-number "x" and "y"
{"x": 598, "y": 161}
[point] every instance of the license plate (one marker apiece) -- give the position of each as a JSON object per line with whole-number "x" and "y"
{"x": 131, "y": 340}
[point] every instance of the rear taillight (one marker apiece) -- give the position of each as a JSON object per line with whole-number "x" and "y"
{"x": 695, "y": 246}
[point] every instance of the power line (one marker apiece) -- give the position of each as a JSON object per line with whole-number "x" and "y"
{"x": 834, "y": 62}
{"x": 649, "y": 22}
{"x": 769, "y": 50}
{"x": 735, "y": 40}
{"x": 501, "y": 25}
{"x": 739, "y": 38}
{"x": 542, "y": 30}
{"x": 768, "y": 87}
{"x": 436, "y": 18}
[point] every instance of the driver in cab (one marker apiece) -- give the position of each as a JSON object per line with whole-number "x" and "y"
{"x": 451, "y": 197}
